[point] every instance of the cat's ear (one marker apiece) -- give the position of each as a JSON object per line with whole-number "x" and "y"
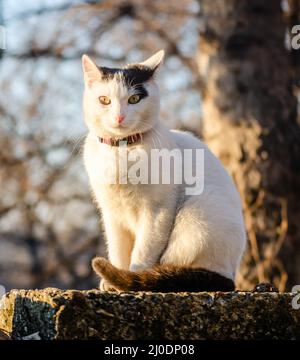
{"x": 154, "y": 61}
{"x": 90, "y": 71}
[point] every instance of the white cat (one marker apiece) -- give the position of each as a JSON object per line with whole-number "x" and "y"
{"x": 158, "y": 238}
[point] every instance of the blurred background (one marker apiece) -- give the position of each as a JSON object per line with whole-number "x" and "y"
{"x": 230, "y": 76}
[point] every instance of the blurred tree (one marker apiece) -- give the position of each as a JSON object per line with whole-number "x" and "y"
{"x": 49, "y": 228}
{"x": 250, "y": 122}
{"x": 293, "y": 18}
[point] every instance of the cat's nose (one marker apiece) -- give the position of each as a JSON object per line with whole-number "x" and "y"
{"x": 120, "y": 118}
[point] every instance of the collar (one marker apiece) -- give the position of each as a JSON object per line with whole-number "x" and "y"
{"x": 132, "y": 139}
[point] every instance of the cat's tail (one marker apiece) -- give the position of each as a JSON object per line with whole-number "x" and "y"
{"x": 162, "y": 278}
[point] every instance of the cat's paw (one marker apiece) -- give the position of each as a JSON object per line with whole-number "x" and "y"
{"x": 265, "y": 287}
{"x": 106, "y": 286}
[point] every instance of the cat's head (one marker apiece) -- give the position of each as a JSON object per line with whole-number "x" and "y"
{"x": 119, "y": 102}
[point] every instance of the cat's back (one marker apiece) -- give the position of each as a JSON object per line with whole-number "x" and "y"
{"x": 216, "y": 177}
{"x": 186, "y": 140}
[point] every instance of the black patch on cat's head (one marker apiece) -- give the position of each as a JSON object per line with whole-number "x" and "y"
{"x": 108, "y": 73}
{"x": 134, "y": 76}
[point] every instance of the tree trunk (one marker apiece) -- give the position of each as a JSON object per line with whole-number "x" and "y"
{"x": 250, "y": 123}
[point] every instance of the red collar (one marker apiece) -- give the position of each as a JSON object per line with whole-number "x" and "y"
{"x": 131, "y": 139}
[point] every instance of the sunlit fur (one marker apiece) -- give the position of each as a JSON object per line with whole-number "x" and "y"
{"x": 101, "y": 119}
{"x": 147, "y": 225}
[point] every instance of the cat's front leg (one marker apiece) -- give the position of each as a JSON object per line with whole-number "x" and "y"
{"x": 152, "y": 238}
{"x": 119, "y": 242}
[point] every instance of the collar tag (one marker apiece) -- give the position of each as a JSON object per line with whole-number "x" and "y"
{"x": 132, "y": 139}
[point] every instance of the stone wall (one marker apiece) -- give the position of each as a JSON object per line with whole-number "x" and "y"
{"x": 57, "y": 314}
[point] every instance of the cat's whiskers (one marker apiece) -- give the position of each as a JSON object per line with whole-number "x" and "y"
{"x": 78, "y": 144}
{"x": 159, "y": 136}
{"x": 156, "y": 135}
{"x": 153, "y": 137}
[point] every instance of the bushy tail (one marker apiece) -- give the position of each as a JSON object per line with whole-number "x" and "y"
{"x": 162, "y": 278}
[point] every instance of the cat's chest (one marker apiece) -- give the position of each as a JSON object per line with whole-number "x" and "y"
{"x": 113, "y": 166}
{"x": 115, "y": 180}
{"x": 123, "y": 203}
{"x": 109, "y": 174}
{"x": 129, "y": 199}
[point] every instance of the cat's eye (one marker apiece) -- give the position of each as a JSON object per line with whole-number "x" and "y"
{"x": 104, "y": 100}
{"x": 134, "y": 99}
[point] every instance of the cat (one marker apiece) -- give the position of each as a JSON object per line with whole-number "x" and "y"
{"x": 158, "y": 237}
